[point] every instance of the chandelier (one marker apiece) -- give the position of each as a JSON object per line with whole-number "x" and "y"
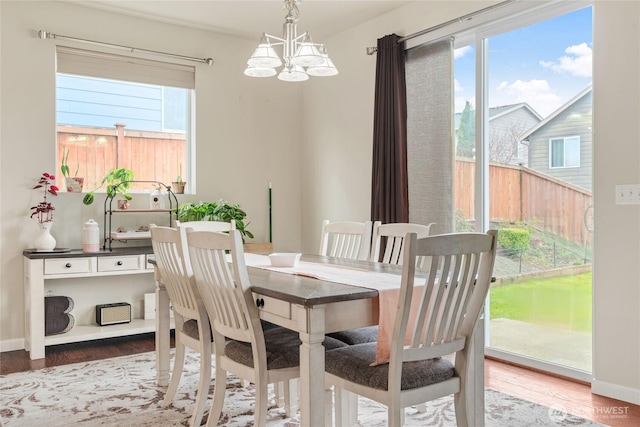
{"x": 301, "y": 57}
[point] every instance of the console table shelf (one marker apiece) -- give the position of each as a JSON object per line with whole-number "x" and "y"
{"x": 83, "y": 276}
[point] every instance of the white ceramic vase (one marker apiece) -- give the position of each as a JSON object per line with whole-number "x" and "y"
{"x": 45, "y": 241}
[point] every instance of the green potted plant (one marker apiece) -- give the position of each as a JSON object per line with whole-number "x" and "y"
{"x": 178, "y": 184}
{"x": 73, "y": 183}
{"x": 215, "y": 211}
{"x": 118, "y": 181}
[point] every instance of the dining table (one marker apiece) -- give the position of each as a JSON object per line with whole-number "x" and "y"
{"x": 313, "y": 305}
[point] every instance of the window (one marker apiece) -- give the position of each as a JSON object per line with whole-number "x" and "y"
{"x": 564, "y": 152}
{"x": 118, "y": 111}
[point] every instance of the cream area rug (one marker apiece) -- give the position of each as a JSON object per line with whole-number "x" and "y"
{"x": 122, "y": 391}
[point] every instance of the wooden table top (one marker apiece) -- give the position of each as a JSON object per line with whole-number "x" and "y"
{"x": 307, "y": 291}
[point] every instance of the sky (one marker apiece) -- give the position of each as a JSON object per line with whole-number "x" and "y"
{"x": 545, "y": 64}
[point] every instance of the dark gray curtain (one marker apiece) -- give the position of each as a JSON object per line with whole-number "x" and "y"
{"x": 430, "y": 135}
{"x": 389, "y": 182}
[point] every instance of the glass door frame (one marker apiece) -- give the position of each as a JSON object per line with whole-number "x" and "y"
{"x": 480, "y": 38}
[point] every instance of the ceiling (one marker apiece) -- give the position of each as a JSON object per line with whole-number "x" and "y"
{"x": 249, "y": 19}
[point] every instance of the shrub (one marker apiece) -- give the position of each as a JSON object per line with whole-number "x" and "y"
{"x": 514, "y": 239}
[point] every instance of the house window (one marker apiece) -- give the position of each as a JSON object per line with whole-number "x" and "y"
{"x": 564, "y": 152}
{"x": 119, "y": 111}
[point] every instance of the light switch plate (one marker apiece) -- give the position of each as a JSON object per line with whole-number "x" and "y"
{"x": 628, "y": 194}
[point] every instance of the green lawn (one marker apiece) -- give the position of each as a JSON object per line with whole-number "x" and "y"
{"x": 562, "y": 302}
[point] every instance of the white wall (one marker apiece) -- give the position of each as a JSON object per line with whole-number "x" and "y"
{"x": 616, "y": 143}
{"x": 242, "y": 139}
{"x": 338, "y": 149}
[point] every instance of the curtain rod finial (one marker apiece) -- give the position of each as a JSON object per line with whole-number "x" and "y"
{"x": 208, "y": 61}
{"x": 371, "y": 50}
{"x": 43, "y": 34}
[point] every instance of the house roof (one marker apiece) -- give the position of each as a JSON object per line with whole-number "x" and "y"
{"x": 502, "y": 110}
{"x": 555, "y": 114}
{"x": 495, "y": 112}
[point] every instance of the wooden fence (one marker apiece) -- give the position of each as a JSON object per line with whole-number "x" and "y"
{"x": 154, "y": 156}
{"x": 518, "y": 193}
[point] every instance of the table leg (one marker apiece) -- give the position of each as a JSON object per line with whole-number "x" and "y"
{"x": 312, "y": 327}
{"x": 163, "y": 337}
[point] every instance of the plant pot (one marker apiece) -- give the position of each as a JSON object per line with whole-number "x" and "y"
{"x": 74, "y": 184}
{"x": 178, "y": 187}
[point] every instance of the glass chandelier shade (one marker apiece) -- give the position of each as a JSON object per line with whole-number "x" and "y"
{"x": 260, "y": 71}
{"x": 294, "y": 73}
{"x": 325, "y": 68}
{"x": 301, "y": 57}
{"x": 307, "y": 54}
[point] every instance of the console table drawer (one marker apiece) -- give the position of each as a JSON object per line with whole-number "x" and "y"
{"x": 67, "y": 265}
{"x": 120, "y": 263}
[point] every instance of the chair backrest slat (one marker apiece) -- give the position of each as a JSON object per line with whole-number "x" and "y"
{"x": 350, "y": 240}
{"x": 218, "y": 226}
{"x": 394, "y": 233}
{"x": 451, "y": 293}
{"x": 167, "y": 250}
{"x": 225, "y": 290}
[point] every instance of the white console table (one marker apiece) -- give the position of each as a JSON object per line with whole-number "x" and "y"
{"x": 85, "y": 278}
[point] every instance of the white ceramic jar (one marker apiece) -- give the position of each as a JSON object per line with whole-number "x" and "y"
{"x": 90, "y": 237}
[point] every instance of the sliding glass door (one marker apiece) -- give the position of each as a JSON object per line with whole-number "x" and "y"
{"x": 523, "y": 165}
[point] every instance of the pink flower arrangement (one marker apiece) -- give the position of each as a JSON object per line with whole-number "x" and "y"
{"x": 43, "y": 211}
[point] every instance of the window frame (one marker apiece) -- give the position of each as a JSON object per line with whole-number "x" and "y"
{"x": 135, "y": 69}
{"x": 565, "y": 147}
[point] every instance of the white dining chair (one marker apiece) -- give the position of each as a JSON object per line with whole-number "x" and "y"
{"x": 190, "y": 316}
{"x": 350, "y": 240}
{"x": 394, "y": 233}
{"x": 450, "y": 302}
{"x": 219, "y": 226}
{"x": 241, "y": 344}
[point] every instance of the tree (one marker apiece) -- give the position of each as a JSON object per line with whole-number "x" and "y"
{"x": 503, "y": 142}
{"x": 466, "y": 133}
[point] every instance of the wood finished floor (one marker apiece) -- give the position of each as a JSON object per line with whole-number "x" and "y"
{"x": 524, "y": 383}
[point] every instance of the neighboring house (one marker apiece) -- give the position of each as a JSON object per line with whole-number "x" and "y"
{"x": 507, "y": 124}
{"x": 561, "y": 144}
{"x": 101, "y": 103}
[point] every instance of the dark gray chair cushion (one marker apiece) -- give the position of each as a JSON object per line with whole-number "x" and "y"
{"x": 357, "y": 336}
{"x": 352, "y": 363}
{"x": 283, "y": 348}
{"x": 190, "y": 328}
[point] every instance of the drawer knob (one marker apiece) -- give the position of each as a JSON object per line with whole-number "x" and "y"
{"x": 68, "y": 265}
{"x": 259, "y": 302}
{"x": 119, "y": 263}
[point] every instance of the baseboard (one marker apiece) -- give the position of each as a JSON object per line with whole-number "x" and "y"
{"x": 12, "y": 345}
{"x": 615, "y": 391}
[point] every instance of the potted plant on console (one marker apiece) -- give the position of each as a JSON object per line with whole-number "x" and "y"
{"x": 118, "y": 181}
{"x": 178, "y": 184}
{"x": 215, "y": 211}
{"x": 43, "y": 212}
{"x": 73, "y": 183}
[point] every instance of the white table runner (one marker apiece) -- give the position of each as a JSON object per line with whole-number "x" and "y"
{"x": 331, "y": 273}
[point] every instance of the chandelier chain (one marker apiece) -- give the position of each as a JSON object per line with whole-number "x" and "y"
{"x": 291, "y": 6}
